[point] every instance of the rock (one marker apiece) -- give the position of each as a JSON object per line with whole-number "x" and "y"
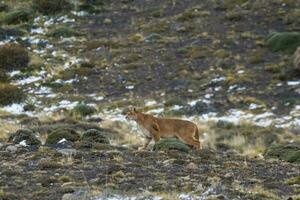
{"x": 67, "y": 152}
{"x": 107, "y": 21}
{"x": 229, "y": 175}
{"x": 286, "y": 152}
{"x": 80, "y": 194}
{"x": 11, "y": 148}
{"x": 170, "y": 144}
{"x": 297, "y": 59}
{"x": 153, "y": 37}
{"x": 191, "y": 166}
{"x": 24, "y": 137}
{"x": 62, "y": 133}
{"x": 94, "y": 136}
{"x": 1, "y": 145}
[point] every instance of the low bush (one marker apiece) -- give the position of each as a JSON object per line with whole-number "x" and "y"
{"x": 17, "y": 16}
{"x": 13, "y": 56}
{"x": 51, "y": 7}
{"x": 63, "y": 32}
{"x": 170, "y": 144}
{"x": 83, "y": 110}
{"x": 284, "y": 42}
{"x": 286, "y": 152}
{"x": 10, "y": 94}
{"x": 24, "y": 134}
{"x": 62, "y": 133}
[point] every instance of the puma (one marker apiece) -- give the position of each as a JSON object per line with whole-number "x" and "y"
{"x": 156, "y": 128}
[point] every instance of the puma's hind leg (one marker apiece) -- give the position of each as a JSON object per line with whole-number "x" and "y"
{"x": 191, "y": 141}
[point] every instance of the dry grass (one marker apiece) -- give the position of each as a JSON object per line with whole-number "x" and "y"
{"x": 7, "y": 128}
{"x": 128, "y": 130}
{"x": 240, "y": 142}
{"x": 261, "y": 192}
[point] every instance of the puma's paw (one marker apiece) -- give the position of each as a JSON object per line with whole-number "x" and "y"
{"x": 141, "y": 149}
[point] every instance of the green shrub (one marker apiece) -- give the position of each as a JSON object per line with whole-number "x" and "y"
{"x": 83, "y": 110}
{"x": 48, "y": 7}
{"x": 92, "y": 6}
{"x": 294, "y": 180}
{"x": 24, "y": 134}
{"x": 286, "y": 152}
{"x": 171, "y": 101}
{"x": 63, "y": 32}
{"x": 58, "y": 134}
{"x": 170, "y": 144}
{"x": 13, "y": 56}
{"x": 3, "y": 7}
{"x": 17, "y": 16}
{"x": 94, "y": 136}
{"x": 285, "y": 41}
{"x": 10, "y": 94}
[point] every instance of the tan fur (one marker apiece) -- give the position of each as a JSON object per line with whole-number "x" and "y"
{"x": 297, "y": 59}
{"x": 156, "y": 128}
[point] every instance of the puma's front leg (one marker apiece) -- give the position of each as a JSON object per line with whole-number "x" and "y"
{"x": 148, "y": 140}
{"x": 154, "y": 130}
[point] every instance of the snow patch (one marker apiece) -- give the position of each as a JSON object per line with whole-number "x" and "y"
{"x": 293, "y": 83}
{"x": 23, "y": 143}
{"x": 62, "y": 141}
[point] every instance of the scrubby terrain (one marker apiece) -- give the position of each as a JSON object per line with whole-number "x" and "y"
{"x": 69, "y": 69}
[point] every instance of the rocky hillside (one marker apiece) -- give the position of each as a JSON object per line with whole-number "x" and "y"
{"x": 69, "y": 69}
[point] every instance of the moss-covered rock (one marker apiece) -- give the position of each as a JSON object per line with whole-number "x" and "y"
{"x": 17, "y": 16}
{"x": 62, "y": 133}
{"x": 170, "y": 144}
{"x": 13, "y": 56}
{"x": 24, "y": 134}
{"x": 285, "y": 41}
{"x": 94, "y": 136}
{"x": 286, "y": 152}
{"x": 51, "y": 7}
{"x": 10, "y": 94}
{"x": 63, "y": 31}
{"x": 83, "y": 110}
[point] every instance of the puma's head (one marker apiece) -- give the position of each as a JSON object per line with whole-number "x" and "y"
{"x": 132, "y": 114}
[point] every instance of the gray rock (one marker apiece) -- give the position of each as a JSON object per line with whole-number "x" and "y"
{"x": 11, "y": 148}
{"x": 80, "y": 194}
{"x": 67, "y": 152}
